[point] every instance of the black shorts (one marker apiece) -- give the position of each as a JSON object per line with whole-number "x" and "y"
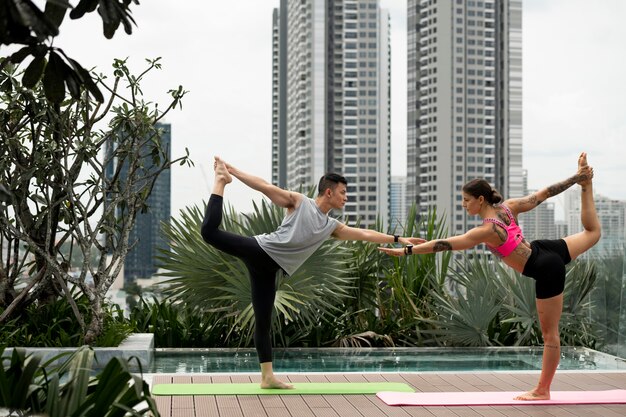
{"x": 547, "y": 266}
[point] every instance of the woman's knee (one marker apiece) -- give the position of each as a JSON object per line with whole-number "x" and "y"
{"x": 551, "y": 338}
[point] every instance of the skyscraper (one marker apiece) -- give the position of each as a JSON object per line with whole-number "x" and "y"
{"x": 146, "y": 234}
{"x": 612, "y": 216}
{"x": 331, "y": 100}
{"x": 398, "y": 203}
{"x": 464, "y": 102}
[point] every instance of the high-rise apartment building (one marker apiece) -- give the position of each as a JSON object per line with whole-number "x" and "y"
{"x": 331, "y": 100}
{"x": 146, "y": 234}
{"x": 464, "y": 102}
{"x": 398, "y": 203}
{"x": 612, "y": 216}
{"x": 539, "y": 223}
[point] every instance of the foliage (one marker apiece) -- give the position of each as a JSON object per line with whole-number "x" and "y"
{"x": 22, "y": 22}
{"x": 178, "y": 325}
{"x": 79, "y": 173}
{"x": 28, "y": 387}
{"x": 495, "y": 306}
{"x": 53, "y": 325}
{"x": 389, "y": 293}
{"x": 608, "y": 301}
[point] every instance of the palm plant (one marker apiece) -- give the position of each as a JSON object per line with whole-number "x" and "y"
{"x": 467, "y": 316}
{"x": 28, "y": 387}
{"x": 496, "y": 306}
{"x": 212, "y": 281}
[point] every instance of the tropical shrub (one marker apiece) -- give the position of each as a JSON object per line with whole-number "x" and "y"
{"x": 28, "y": 387}
{"x": 495, "y": 306}
{"x": 53, "y": 324}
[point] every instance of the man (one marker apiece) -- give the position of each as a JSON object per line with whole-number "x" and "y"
{"x": 305, "y": 227}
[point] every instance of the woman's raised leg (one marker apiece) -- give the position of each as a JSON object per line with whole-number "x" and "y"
{"x": 581, "y": 242}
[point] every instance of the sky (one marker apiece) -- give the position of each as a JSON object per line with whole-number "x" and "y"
{"x": 574, "y": 89}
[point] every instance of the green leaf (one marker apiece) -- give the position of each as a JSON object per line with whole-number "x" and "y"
{"x": 33, "y": 72}
{"x": 54, "y": 79}
{"x": 83, "y": 6}
{"x": 20, "y": 55}
{"x": 55, "y": 11}
{"x": 73, "y": 83}
{"x": 87, "y": 81}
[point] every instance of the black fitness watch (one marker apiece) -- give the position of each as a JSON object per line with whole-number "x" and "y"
{"x": 408, "y": 250}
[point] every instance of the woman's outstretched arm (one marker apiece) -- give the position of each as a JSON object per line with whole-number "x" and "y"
{"x": 521, "y": 205}
{"x": 468, "y": 240}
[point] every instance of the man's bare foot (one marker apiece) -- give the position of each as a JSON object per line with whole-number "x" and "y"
{"x": 221, "y": 173}
{"x": 533, "y": 395}
{"x": 273, "y": 382}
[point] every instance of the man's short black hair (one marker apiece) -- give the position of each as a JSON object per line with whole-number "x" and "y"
{"x": 330, "y": 180}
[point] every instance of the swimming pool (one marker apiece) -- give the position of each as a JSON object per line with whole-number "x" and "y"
{"x": 380, "y": 360}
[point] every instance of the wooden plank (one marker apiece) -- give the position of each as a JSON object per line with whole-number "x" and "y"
{"x": 369, "y": 405}
{"x": 164, "y": 405}
{"x": 297, "y": 406}
{"x": 206, "y": 406}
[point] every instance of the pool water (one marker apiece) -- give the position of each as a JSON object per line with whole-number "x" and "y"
{"x": 380, "y": 360}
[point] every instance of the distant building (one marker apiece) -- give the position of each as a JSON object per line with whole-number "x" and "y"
{"x": 331, "y": 100}
{"x": 539, "y": 223}
{"x": 612, "y": 215}
{"x": 398, "y": 203}
{"x": 146, "y": 235}
{"x": 464, "y": 102}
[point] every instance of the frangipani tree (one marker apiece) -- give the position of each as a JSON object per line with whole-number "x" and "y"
{"x": 79, "y": 171}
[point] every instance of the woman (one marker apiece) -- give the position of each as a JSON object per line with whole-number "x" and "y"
{"x": 543, "y": 260}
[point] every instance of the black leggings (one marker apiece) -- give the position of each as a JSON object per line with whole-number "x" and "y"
{"x": 261, "y": 267}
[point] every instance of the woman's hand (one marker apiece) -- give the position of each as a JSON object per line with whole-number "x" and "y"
{"x": 392, "y": 251}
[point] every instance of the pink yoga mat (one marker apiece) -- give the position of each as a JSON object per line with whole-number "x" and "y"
{"x": 616, "y": 396}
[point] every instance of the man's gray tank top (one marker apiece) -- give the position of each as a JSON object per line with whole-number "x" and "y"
{"x": 300, "y": 234}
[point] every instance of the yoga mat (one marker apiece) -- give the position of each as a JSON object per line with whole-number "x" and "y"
{"x": 300, "y": 388}
{"x": 617, "y": 396}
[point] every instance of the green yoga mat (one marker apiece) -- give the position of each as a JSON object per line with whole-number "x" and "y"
{"x": 300, "y": 388}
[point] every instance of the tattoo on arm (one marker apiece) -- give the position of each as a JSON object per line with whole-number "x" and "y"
{"x": 442, "y": 245}
{"x": 533, "y": 200}
{"x": 561, "y": 186}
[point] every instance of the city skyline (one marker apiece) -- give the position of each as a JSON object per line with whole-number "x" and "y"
{"x": 568, "y": 104}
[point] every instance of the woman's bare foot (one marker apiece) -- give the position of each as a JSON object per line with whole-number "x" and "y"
{"x": 584, "y": 170}
{"x": 221, "y": 172}
{"x": 273, "y": 382}
{"x": 533, "y": 395}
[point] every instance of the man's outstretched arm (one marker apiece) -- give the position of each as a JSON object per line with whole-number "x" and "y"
{"x": 343, "y": 232}
{"x": 277, "y": 195}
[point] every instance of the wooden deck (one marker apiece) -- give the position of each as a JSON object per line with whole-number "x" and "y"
{"x": 370, "y": 405}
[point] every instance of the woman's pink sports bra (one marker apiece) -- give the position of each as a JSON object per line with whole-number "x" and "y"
{"x": 514, "y": 235}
